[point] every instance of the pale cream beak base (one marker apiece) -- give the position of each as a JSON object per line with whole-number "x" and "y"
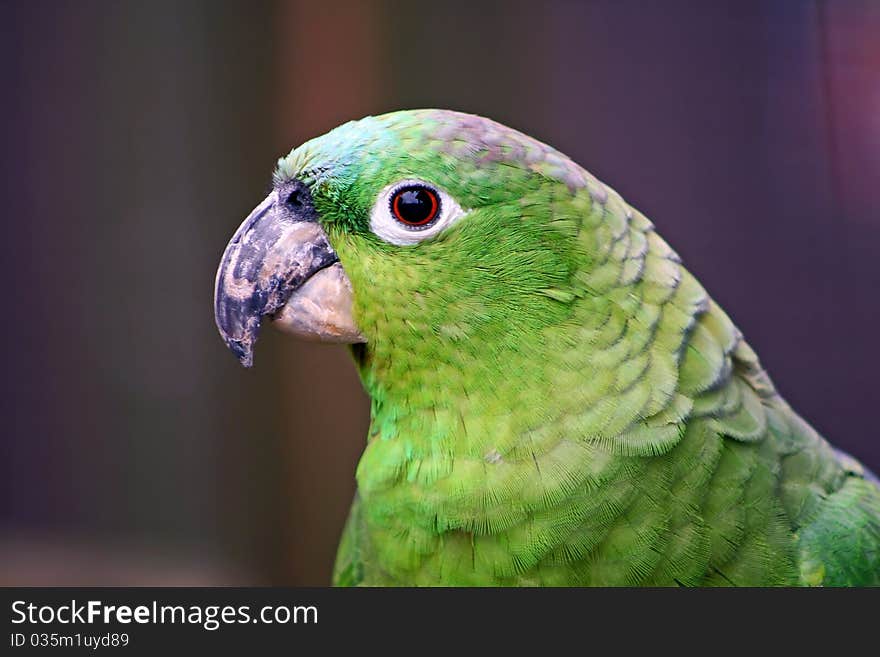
{"x": 321, "y": 309}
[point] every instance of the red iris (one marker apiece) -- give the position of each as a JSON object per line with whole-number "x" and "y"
{"x": 415, "y": 205}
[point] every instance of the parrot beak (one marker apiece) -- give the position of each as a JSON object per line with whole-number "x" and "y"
{"x": 280, "y": 263}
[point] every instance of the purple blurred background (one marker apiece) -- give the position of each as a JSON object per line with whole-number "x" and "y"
{"x": 138, "y": 135}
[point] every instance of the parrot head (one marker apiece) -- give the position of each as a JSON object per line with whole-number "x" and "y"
{"x": 409, "y": 229}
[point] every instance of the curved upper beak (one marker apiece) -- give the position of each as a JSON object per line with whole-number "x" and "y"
{"x": 280, "y": 263}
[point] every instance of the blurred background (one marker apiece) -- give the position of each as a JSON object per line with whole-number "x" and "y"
{"x": 137, "y": 136}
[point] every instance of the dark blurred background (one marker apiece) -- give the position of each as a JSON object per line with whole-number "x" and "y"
{"x": 138, "y": 135}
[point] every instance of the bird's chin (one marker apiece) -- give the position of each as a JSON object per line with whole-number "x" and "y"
{"x": 320, "y": 310}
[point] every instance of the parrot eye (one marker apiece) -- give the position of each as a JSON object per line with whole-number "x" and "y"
{"x": 411, "y": 211}
{"x": 415, "y": 205}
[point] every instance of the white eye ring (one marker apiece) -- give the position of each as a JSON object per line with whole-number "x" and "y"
{"x": 386, "y": 226}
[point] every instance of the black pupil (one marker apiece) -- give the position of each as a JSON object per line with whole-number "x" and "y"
{"x": 415, "y": 205}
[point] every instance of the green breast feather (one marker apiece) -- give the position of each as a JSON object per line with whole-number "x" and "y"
{"x": 556, "y": 400}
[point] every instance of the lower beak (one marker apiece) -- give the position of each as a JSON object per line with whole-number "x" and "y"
{"x": 279, "y": 263}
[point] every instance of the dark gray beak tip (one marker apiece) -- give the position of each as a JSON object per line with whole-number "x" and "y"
{"x": 237, "y": 318}
{"x": 245, "y": 354}
{"x": 241, "y": 347}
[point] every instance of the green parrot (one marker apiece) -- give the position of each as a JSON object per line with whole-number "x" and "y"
{"x": 555, "y": 399}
